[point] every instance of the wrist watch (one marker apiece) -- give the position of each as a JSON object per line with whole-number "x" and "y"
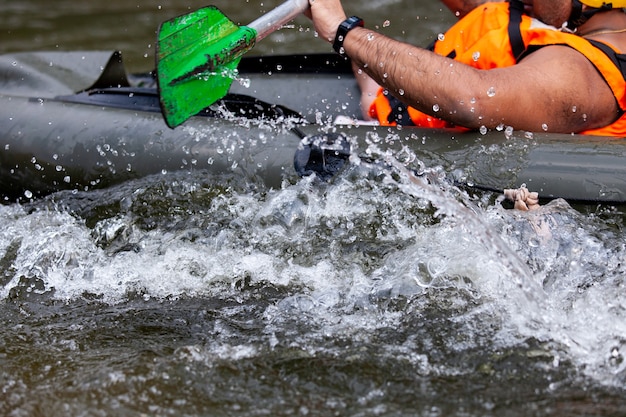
{"x": 343, "y": 29}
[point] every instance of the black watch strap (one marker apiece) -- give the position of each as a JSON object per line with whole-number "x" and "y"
{"x": 343, "y": 29}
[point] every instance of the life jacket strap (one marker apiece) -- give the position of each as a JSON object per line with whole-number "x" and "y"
{"x": 516, "y": 10}
{"x": 399, "y": 112}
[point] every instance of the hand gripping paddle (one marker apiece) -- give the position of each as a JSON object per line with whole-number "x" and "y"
{"x": 197, "y": 56}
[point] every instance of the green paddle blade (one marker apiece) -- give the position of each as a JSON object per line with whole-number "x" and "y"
{"x": 197, "y": 57}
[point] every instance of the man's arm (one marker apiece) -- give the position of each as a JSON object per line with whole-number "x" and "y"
{"x": 554, "y": 89}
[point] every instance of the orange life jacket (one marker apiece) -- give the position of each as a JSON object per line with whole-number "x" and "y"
{"x": 496, "y": 35}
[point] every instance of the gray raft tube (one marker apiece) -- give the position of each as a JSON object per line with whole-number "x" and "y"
{"x": 76, "y": 120}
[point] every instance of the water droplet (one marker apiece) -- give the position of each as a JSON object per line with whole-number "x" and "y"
{"x": 616, "y": 357}
{"x": 435, "y": 107}
{"x": 544, "y": 126}
{"x": 483, "y": 130}
{"x": 370, "y": 36}
{"x": 386, "y": 23}
{"x": 508, "y": 132}
{"x": 67, "y": 179}
{"x": 401, "y": 92}
{"x": 441, "y": 37}
{"x": 529, "y": 135}
{"x": 28, "y": 194}
{"x": 573, "y": 109}
{"x": 491, "y": 92}
{"x": 475, "y": 56}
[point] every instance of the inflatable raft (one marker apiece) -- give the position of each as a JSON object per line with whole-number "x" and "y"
{"x": 77, "y": 120}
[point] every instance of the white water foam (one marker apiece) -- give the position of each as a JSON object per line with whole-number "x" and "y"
{"x": 548, "y": 274}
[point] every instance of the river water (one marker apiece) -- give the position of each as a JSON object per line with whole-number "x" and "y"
{"x": 188, "y": 294}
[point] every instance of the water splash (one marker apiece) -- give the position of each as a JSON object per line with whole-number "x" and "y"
{"x": 384, "y": 242}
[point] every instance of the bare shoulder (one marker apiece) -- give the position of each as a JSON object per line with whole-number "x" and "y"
{"x": 570, "y": 81}
{"x": 554, "y": 89}
{"x": 562, "y": 62}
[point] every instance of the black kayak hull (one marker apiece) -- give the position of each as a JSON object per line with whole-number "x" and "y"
{"x": 54, "y": 139}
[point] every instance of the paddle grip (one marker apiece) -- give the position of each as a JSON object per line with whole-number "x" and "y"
{"x": 274, "y": 19}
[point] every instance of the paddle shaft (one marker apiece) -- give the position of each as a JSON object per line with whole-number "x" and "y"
{"x": 274, "y": 19}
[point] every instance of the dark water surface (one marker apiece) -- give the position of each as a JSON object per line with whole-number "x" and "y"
{"x": 189, "y": 294}
{"x": 33, "y": 25}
